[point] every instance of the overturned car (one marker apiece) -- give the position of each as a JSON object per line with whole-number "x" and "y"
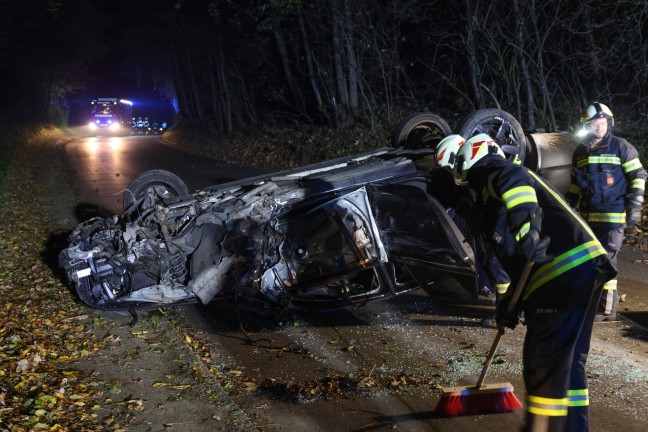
{"x": 331, "y": 234}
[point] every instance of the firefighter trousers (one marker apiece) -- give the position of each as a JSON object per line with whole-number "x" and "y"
{"x": 611, "y": 241}
{"x": 559, "y": 318}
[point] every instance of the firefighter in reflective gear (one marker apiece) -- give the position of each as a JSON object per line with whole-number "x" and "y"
{"x": 608, "y": 182}
{"x": 456, "y": 199}
{"x": 527, "y": 219}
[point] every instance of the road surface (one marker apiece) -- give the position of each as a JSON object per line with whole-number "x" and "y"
{"x": 105, "y": 165}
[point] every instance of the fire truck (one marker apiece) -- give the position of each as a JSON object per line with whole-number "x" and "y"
{"x": 112, "y": 114}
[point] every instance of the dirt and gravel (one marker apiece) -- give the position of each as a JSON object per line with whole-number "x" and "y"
{"x": 377, "y": 367}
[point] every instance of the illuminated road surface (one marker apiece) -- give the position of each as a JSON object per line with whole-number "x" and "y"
{"x": 104, "y": 166}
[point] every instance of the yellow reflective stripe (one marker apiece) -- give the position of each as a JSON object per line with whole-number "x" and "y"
{"x": 610, "y": 285}
{"x": 578, "y": 397}
{"x": 547, "y": 406}
{"x": 519, "y": 195}
{"x": 614, "y": 160}
{"x": 631, "y": 165}
{"x": 564, "y": 262}
{"x": 523, "y": 231}
{"x": 491, "y": 189}
{"x": 502, "y": 287}
{"x": 605, "y": 217}
{"x": 638, "y": 183}
{"x": 582, "y": 162}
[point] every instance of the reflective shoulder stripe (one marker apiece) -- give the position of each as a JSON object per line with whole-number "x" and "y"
{"x": 638, "y": 183}
{"x": 547, "y": 406}
{"x": 563, "y": 263}
{"x": 578, "y": 397}
{"x": 619, "y": 218}
{"x": 631, "y": 165}
{"x": 519, "y": 195}
{"x": 614, "y": 160}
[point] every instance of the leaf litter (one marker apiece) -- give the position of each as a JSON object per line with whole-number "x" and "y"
{"x": 61, "y": 362}
{"x": 42, "y": 330}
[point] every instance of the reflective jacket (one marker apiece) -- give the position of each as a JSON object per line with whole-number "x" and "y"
{"x": 506, "y": 195}
{"x": 607, "y": 178}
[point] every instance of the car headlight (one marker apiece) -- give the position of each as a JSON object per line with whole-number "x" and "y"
{"x": 92, "y": 126}
{"x": 114, "y": 126}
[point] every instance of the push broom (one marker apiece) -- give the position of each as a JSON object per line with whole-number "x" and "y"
{"x": 485, "y": 398}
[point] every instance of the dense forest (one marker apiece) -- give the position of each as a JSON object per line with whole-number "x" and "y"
{"x": 241, "y": 64}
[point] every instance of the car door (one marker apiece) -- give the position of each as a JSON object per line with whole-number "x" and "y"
{"x": 424, "y": 245}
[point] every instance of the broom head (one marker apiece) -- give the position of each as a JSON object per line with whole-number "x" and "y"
{"x": 489, "y": 398}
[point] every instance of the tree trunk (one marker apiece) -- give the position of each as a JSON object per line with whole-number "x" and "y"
{"x": 285, "y": 64}
{"x": 225, "y": 94}
{"x": 216, "y": 108}
{"x": 183, "y": 101}
{"x": 470, "y": 52}
{"x": 524, "y": 67}
{"x": 342, "y": 101}
{"x": 308, "y": 53}
{"x": 594, "y": 87}
{"x": 540, "y": 52}
{"x": 352, "y": 63}
{"x": 197, "y": 108}
{"x": 215, "y": 85}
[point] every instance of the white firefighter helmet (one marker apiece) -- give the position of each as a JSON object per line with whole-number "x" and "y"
{"x": 597, "y": 110}
{"x": 446, "y": 151}
{"x": 474, "y": 150}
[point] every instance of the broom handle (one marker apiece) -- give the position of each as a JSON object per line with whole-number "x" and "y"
{"x": 500, "y": 332}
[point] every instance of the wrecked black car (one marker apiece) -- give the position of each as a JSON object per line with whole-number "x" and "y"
{"x": 331, "y": 234}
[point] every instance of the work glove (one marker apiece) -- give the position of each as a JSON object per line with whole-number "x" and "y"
{"x": 633, "y": 216}
{"x": 525, "y": 226}
{"x": 634, "y": 205}
{"x": 534, "y": 248}
{"x": 503, "y": 317}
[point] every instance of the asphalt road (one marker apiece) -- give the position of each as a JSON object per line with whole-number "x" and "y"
{"x": 104, "y": 166}
{"x": 377, "y": 367}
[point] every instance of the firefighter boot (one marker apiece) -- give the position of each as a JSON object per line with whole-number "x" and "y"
{"x": 607, "y": 310}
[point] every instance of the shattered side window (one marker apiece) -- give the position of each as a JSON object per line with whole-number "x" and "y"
{"x": 413, "y": 228}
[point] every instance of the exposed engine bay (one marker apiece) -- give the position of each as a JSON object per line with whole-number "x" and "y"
{"x": 191, "y": 248}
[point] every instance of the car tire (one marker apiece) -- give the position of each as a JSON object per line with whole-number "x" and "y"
{"x": 420, "y": 130}
{"x": 501, "y": 126}
{"x": 165, "y": 184}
